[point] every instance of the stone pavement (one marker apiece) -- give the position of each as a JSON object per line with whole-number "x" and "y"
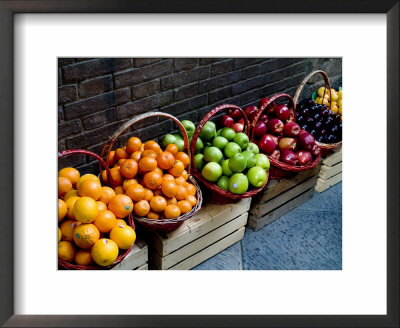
{"x": 307, "y": 238}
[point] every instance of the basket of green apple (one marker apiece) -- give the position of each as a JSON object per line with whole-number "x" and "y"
{"x": 224, "y": 161}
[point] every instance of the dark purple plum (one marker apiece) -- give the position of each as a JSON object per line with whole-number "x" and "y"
{"x": 318, "y": 125}
{"x": 337, "y": 118}
{"x": 334, "y": 129}
{"x": 317, "y": 117}
{"x": 324, "y": 113}
{"x": 304, "y": 127}
{"x": 306, "y": 111}
{"x": 313, "y": 132}
{"x": 323, "y": 132}
{"x": 331, "y": 138}
{"x": 310, "y": 121}
{"x": 328, "y": 121}
{"x": 320, "y": 138}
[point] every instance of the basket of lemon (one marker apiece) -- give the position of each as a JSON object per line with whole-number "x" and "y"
{"x": 95, "y": 226}
{"x": 157, "y": 181}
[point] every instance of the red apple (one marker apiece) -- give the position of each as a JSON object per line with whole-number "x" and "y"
{"x": 260, "y": 129}
{"x": 267, "y": 144}
{"x": 291, "y": 129}
{"x": 276, "y": 154}
{"x": 227, "y": 121}
{"x": 234, "y": 113}
{"x": 305, "y": 140}
{"x": 241, "y": 121}
{"x": 304, "y": 157}
{"x": 237, "y": 127}
{"x": 271, "y": 108}
{"x": 288, "y": 157}
{"x": 251, "y": 112}
{"x": 264, "y": 118}
{"x": 315, "y": 150}
{"x": 282, "y": 112}
{"x": 287, "y": 143}
{"x": 275, "y": 126}
{"x": 275, "y": 138}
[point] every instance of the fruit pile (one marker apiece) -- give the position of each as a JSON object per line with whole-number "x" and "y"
{"x": 281, "y": 138}
{"x": 89, "y": 230}
{"x": 227, "y": 158}
{"x": 156, "y": 181}
{"x": 334, "y": 98}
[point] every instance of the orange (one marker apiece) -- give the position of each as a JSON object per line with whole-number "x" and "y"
{"x": 181, "y": 194}
{"x": 123, "y": 235}
{"x": 152, "y": 145}
{"x": 120, "y": 161}
{"x": 148, "y": 194}
{"x": 153, "y": 216}
{"x": 71, "y": 174}
{"x": 67, "y": 229}
{"x": 104, "y": 252}
{"x": 191, "y": 199}
{"x": 157, "y": 169}
{"x": 128, "y": 182}
{"x": 85, "y": 177}
{"x": 136, "y": 192}
{"x": 136, "y": 155}
{"x": 120, "y": 221}
{"x": 158, "y": 204}
{"x": 169, "y": 188}
{"x": 180, "y": 180}
{"x": 70, "y": 205}
{"x": 110, "y": 159}
{"x": 172, "y": 148}
{"x": 177, "y": 169}
{"x": 184, "y": 158}
{"x": 119, "y": 190}
{"x": 116, "y": 176}
{"x": 107, "y": 194}
{"x": 121, "y": 206}
{"x": 184, "y": 206}
{"x": 158, "y": 192}
{"x": 103, "y": 176}
{"x": 64, "y": 185}
{"x": 83, "y": 257}
{"x": 70, "y": 194}
{"x": 168, "y": 177}
{"x": 149, "y": 153}
{"x": 147, "y": 164}
{"x": 85, "y": 235}
{"x": 120, "y": 153}
{"x": 171, "y": 201}
{"x": 105, "y": 221}
{"x": 142, "y": 208}
{"x": 133, "y": 144}
{"x": 85, "y": 209}
{"x": 66, "y": 251}
{"x": 90, "y": 188}
{"x": 172, "y": 211}
{"x": 62, "y": 210}
{"x": 152, "y": 180}
{"x": 190, "y": 189}
{"x": 59, "y": 234}
{"x": 165, "y": 160}
{"x": 129, "y": 168}
{"x": 101, "y": 206}
{"x": 185, "y": 175}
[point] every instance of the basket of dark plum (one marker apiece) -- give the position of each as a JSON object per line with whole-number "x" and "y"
{"x": 289, "y": 148}
{"x": 318, "y": 119}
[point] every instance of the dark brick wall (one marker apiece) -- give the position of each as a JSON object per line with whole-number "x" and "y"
{"x": 95, "y": 96}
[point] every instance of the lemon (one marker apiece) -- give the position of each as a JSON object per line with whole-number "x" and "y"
{"x": 104, "y": 252}
{"x": 85, "y": 209}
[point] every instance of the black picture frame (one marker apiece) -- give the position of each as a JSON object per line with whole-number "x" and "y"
{"x": 7, "y": 11}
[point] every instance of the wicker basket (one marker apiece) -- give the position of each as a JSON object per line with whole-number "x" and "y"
{"x": 123, "y": 253}
{"x": 280, "y": 170}
{"x": 325, "y": 148}
{"x": 215, "y": 194}
{"x": 164, "y": 225}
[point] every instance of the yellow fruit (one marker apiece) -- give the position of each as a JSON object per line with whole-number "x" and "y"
{"x": 83, "y": 257}
{"x": 340, "y": 94}
{"x": 120, "y": 221}
{"x": 85, "y": 235}
{"x": 70, "y": 206}
{"x": 334, "y": 95}
{"x": 335, "y": 109}
{"x": 318, "y": 100}
{"x": 84, "y": 177}
{"x": 339, "y": 102}
{"x": 66, "y": 251}
{"x": 123, "y": 235}
{"x": 101, "y": 206}
{"x": 62, "y": 210}
{"x": 59, "y": 234}
{"x": 320, "y": 91}
{"x": 67, "y": 229}
{"x": 85, "y": 209}
{"x": 104, "y": 252}
{"x": 340, "y": 110}
{"x": 70, "y": 194}
{"x": 325, "y": 101}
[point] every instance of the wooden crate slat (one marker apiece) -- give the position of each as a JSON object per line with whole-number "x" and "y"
{"x": 329, "y": 171}
{"x": 136, "y": 257}
{"x": 209, "y": 218}
{"x": 143, "y": 267}
{"x": 210, "y": 251}
{"x": 257, "y": 222}
{"x": 197, "y": 245}
{"x": 322, "y": 184}
{"x": 333, "y": 159}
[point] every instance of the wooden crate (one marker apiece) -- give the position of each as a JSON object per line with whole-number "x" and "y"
{"x": 282, "y": 196}
{"x": 331, "y": 171}
{"x": 213, "y": 229}
{"x": 136, "y": 259}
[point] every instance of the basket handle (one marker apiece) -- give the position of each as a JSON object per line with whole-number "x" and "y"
{"x": 124, "y": 127}
{"x": 292, "y": 106}
{"x": 303, "y": 83}
{"x": 206, "y": 118}
{"x": 87, "y": 152}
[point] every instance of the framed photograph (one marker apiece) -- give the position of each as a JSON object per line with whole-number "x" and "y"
{"x": 36, "y": 35}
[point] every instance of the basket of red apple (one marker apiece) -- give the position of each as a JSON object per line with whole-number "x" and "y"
{"x": 289, "y": 148}
{"x": 224, "y": 161}
{"x": 321, "y": 117}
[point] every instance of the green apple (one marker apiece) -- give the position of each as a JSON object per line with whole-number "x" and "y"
{"x": 178, "y": 136}
{"x": 219, "y": 132}
{"x": 208, "y": 132}
{"x": 225, "y": 168}
{"x": 250, "y": 158}
{"x": 254, "y": 148}
{"x": 199, "y": 161}
{"x": 231, "y": 149}
{"x": 168, "y": 139}
{"x": 189, "y": 127}
{"x": 212, "y": 154}
{"x": 242, "y": 140}
{"x": 223, "y": 182}
{"x": 180, "y": 144}
{"x": 263, "y": 161}
{"x": 257, "y": 176}
{"x": 212, "y": 171}
{"x": 238, "y": 183}
{"x": 212, "y": 123}
{"x": 199, "y": 146}
{"x": 237, "y": 163}
{"x": 228, "y": 133}
{"x": 219, "y": 142}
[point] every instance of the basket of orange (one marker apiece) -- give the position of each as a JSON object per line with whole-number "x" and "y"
{"x": 95, "y": 226}
{"x": 157, "y": 181}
